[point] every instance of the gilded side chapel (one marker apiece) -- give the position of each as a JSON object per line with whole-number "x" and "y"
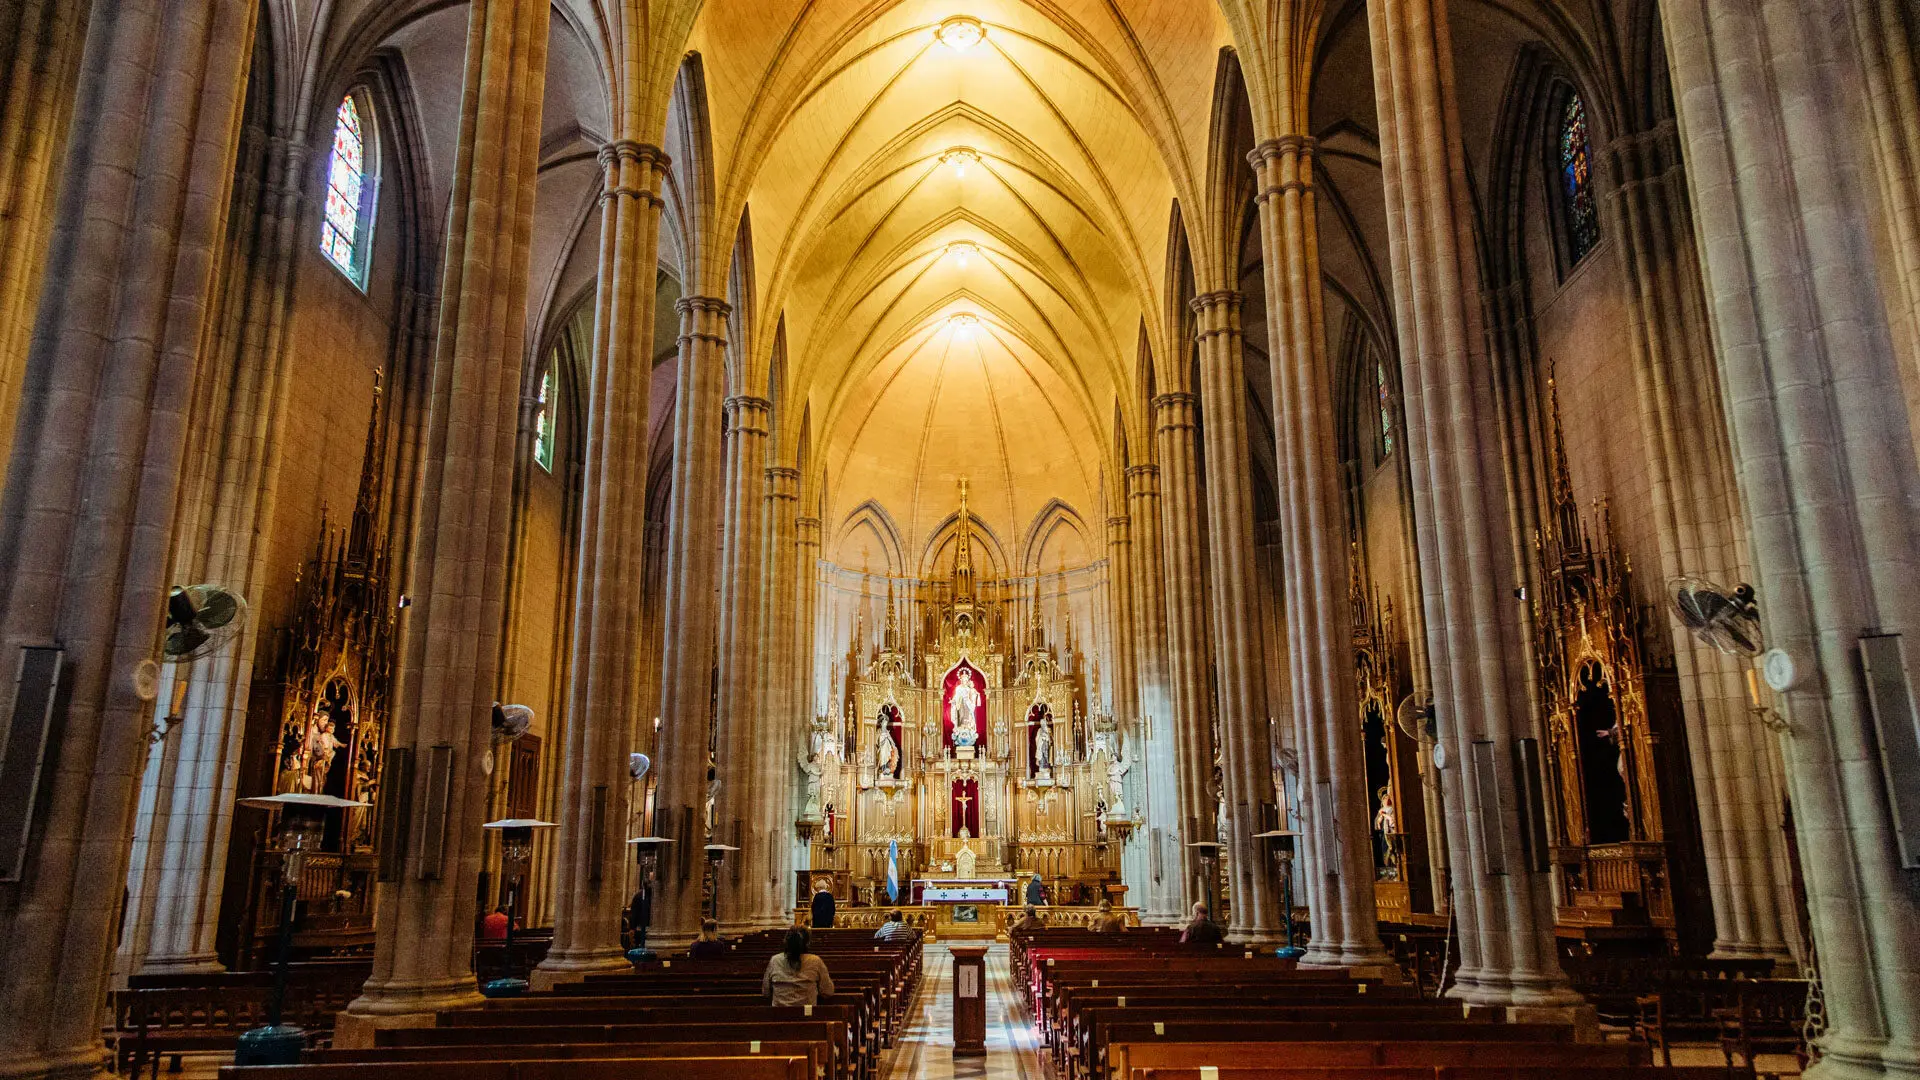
{"x": 502, "y": 495}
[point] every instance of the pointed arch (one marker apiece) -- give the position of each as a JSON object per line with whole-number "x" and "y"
{"x": 1056, "y": 522}
{"x": 871, "y": 520}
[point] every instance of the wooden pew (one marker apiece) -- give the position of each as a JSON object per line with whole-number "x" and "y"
{"x": 1414, "y": 1072}
{"x": 764, "y": 1067}
{"x": 484, "y": 1039}
{"x": 1354, "y": 1054}
{"x": 1114, "y": 1054}
{"x": 819, "y": 1053}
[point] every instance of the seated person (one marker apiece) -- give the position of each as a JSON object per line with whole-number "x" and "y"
{"x": 1201, "y": 931}
{"x": 494, "y": 926}
{"x": 794, "y": 975}
{"x": 709, "y": 945}
{"x": 895, "y": 928}
{"x": 1029, "y": 919}
{"x": 1108, "y": 921}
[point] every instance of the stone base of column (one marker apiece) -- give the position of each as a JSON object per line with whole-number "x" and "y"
{"x": 381, "y": 1008}
{"x": 1845, "y": 1058}
{"x": 1584, "y": 1018}
{"x": 83, "y": 1063}
{"x": 575, "y": 967}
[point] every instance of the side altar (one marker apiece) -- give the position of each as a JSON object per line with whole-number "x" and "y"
{"x": 964, "y": 767}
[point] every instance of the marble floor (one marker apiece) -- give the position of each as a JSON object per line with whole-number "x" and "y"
{"x": 925, "y": 1049}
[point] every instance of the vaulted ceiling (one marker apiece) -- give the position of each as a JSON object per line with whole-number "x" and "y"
{"x": 959, "y": 212}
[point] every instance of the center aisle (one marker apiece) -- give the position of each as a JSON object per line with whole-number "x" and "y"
{"x": 924, "y": 1050}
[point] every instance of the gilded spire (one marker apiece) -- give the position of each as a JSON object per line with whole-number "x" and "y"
{"x": 963, "y": 550}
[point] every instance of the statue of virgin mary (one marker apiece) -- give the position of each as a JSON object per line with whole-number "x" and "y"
{"x": 961, "y": 709}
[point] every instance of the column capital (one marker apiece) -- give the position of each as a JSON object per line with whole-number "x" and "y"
{"x": 1175, "y": 410}
{"x": 783, "y": 483}
{"x": 1304, "y": 146}
{"x": 703, "y": 304}
{"x": 1209, "y": 301}
{"x": 746, "y": 414}
{"x": 621, "y": 159}
{"x": 1143, "y": 480}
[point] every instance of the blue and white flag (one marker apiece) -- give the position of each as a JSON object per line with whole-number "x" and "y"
{"x": 893, "y": 871}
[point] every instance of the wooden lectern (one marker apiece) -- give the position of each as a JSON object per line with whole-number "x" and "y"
{"x": 969, "y": 1000}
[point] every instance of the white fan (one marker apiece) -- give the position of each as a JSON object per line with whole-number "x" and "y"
{"x": 1728, "y": 620}
{"x": 510, "y": 722}
{"x": 637, "y": 765}
{"x": 200, "y": 619}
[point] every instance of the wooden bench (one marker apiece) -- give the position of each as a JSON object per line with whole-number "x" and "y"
{"x": 486, "y": 1039}
{"x": 819, "y": 1052}
{"x": 1355, "y": 1054}
{"x": 764, "y": 1067}
{"x": 1416, "y": 1072}
{"x": 149, "y": 1024}
{"x": 1114, "y": 1054}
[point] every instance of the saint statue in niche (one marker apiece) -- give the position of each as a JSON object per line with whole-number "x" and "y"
{"x": 886, "y": 752}
{"x": 1043, "y": 744}
{"x": 961, "y": 709}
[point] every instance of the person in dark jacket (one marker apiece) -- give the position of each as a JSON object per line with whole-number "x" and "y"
{"x": 1201, "y": 931}
{"x": 822, "y": 910}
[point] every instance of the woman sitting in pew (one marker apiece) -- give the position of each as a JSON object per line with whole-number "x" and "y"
{"x": 709, "y": 945}
{"x": 794, "y": 975}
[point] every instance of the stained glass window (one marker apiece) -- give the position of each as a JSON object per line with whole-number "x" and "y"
{"x": 543, "y": 422}
{"x": 1386, "y": 409}
{"x": 346, "y": 226}
{"x": 1576, "y": 182}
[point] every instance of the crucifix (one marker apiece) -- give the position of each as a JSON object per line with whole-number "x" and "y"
{"x": 963, "y": 800}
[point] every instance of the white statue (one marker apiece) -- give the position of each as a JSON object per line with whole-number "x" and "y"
{"x": 961, "y": 710}
{"x": 1116, "y": 787}
{"x": 1043, "y": 744}
{"x": 885, "y": 750}
{"x": 813, "y": 770}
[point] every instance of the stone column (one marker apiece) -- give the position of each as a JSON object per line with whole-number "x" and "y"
{"x": 1503, "y": 904}
{"x": 1314, "y": 562}
{"x": 1698, "y": 522}
{"x": 1238, "y": 658}
{"x": 806, "y": 531}
{"x": 785, "y": 716}
{"x": 1189, "y": 665}
{"x": 602, "y": 694}
{"x": 741, "y": 813}
{"x": 1770, "y": 98}
{"x": 44, "y": 39}
{"x": 686, "y": 668}
{"x": 1121, "y": 677}
{"x": 95, "y": 477}
{"x": 424, "y": 915}
{"x": 1160, "y": 808}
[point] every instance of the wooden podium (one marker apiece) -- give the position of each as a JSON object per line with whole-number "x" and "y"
{"x": 969, "y": 1000}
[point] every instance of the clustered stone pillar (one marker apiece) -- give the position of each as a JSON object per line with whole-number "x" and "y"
{"x": 1122, "y": 678}
{"x": 1238, "y": 657}
{"x": 603, "y": 694}
{"x": 226, "y": 524}
{"x": 96, "y": 473}
{"x": 687, "y": 663}
{"x": 1183, "y": 574}
{"x": 1502, "y": 900}
{"x": 1769, "y": 97}
{"x": 1697, "y": 520}
{"x": 1161, "y": 806}
{"x": 779, "y": 748}
{"x": 1314, "y": 561}
{"x": 424, "y": 915}
{"x": 740, "y": 809}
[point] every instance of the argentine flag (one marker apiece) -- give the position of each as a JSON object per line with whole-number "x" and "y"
{"x": 893, "y": 871}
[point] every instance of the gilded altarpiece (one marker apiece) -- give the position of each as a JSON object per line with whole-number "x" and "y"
{"x": 1397, "y": 820}
{"x": 1601, "y": 761}
{"x": 969, "y": 763}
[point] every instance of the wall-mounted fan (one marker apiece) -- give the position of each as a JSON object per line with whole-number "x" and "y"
{"x": 510, "y": 722}
{"x": 637, "y": 765}
{"x": 200, "y": 619}
{"x": 1726, "y": 619}
{"x": 1419, "y": 721}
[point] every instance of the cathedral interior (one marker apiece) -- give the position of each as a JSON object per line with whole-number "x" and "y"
{"x": 1434, "y": 481}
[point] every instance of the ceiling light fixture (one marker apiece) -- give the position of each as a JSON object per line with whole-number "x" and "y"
{"x": 959, "y": 158}
{"x": 960, "y": 33}
{"x": 963, "y": 324}
{"x": 962, "y": 250}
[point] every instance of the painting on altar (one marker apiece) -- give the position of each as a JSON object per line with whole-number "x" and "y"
{"x": 963, "y": 708}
